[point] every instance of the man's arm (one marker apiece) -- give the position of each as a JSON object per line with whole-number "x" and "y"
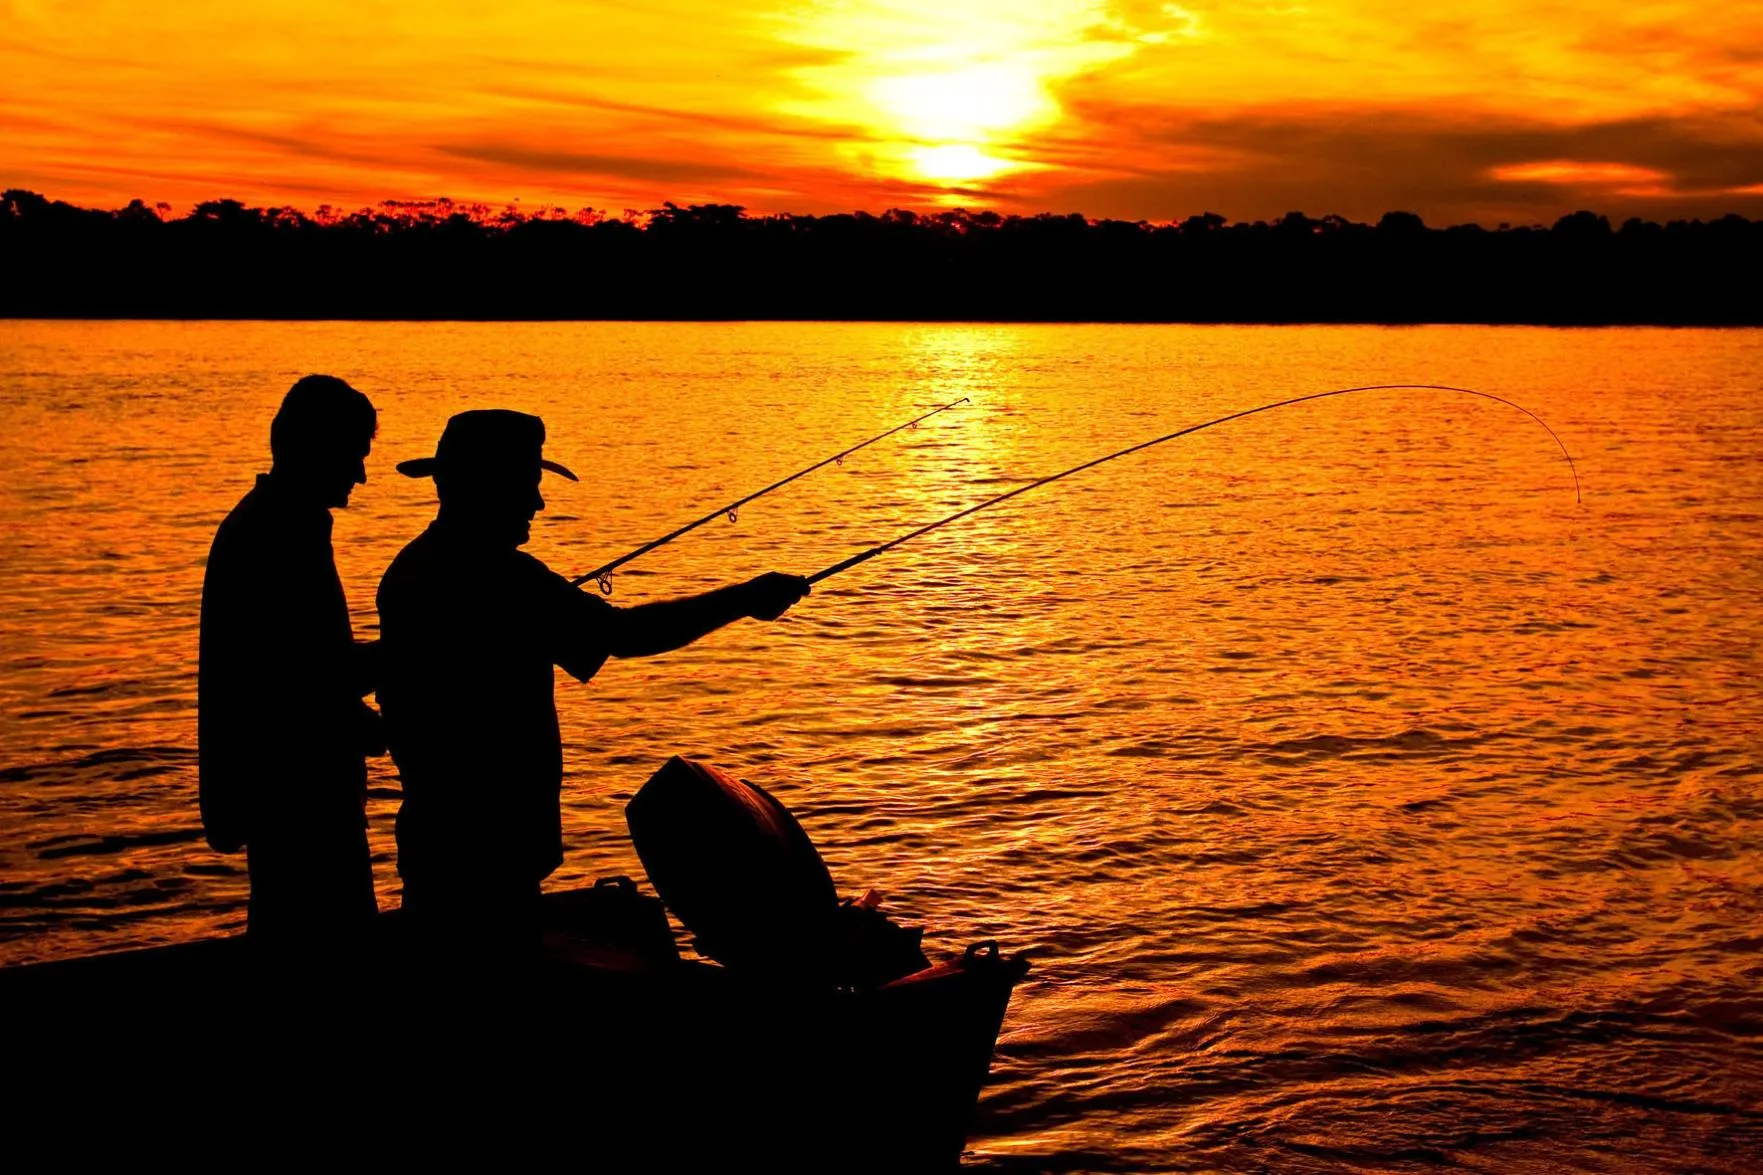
{"x": 648, "y": 629}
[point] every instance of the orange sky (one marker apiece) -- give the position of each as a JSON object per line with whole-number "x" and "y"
{"x": 1487, "y": 110}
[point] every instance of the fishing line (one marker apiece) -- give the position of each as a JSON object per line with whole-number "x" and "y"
{"x": 865, "y": 556}
{"x": 602, "y": 576}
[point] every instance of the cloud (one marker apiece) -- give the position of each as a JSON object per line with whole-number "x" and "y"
{"x": 1360, "y": 162}
{"x": 770, "y": 125}
{"x": 1624, "y": 179}
{"x": 663, "y": 169}
{"x": 1579, "y": 173}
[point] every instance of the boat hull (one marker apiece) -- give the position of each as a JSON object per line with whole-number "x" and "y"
{"x": 610, "y": 1051}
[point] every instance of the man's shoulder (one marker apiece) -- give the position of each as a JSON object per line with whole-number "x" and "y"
{"x": 530, "y": 566}
{"x": 263, "y": 518}
{"x": 428, "y": 566}
{"x": 247, "y": 530}
{"x": 537, "y": 579}
{"x": 411, "y": 566}
{"x": 430, "y": 561}
{"x": 244, "y": 515}
{"x": 415, "y": 551}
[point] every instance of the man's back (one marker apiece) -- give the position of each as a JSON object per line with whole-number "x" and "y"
{"x": 279, "y": 730}
{"x": 471, "y": 630}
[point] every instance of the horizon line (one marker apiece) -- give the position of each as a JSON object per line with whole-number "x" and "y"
{"x": 489, "y": 213}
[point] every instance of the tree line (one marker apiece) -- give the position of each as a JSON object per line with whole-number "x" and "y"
{"x": 440, "y": 260}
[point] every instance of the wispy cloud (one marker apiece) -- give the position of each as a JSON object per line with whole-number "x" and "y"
{"x": 1443, "y": 164}
{"x": 581, "y": 163}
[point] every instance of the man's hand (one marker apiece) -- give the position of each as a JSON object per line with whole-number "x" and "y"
{"x": 770, "y": 595}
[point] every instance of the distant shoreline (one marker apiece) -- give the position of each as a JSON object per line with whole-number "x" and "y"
{"x": 440, "y": 263}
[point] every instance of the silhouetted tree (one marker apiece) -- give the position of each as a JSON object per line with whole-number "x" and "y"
{"x": 441, "y": 259}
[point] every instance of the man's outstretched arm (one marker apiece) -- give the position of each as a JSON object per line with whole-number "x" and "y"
{"x": 648, "y": 629}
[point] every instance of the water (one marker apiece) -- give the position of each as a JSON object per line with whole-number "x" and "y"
{"x": 1364, "y": 802}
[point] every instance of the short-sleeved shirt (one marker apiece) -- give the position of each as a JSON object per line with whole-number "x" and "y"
{"x": 469, "y": 633}
{"x": 279, "y": 683}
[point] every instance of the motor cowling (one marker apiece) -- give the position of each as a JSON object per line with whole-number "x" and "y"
{"x": 734, "y": 865}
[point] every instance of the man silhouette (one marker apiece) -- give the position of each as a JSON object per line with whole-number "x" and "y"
{"x": 282, "y": 730}
{"x": 471, "y": 627}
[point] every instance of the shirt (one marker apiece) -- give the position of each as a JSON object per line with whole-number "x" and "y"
{"x": 281, "y": 729}
{"x": 470, "y": 632}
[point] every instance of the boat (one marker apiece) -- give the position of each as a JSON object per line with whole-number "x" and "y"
{"x": 614, "y": 1049}
{"x": 611, "y": 1049}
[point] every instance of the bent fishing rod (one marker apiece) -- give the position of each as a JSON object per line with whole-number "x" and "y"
{"x": 602, "y": 576}
{"x": 865, "y": 556}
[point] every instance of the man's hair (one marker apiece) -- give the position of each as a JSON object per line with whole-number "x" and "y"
{"x": 321, "y": 412}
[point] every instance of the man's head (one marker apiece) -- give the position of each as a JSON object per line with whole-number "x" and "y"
{"x": 486, "y": 469}
{"x": 321, "y": 437}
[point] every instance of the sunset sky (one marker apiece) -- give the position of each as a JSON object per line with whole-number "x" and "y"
{"x": 1486, "y": 110}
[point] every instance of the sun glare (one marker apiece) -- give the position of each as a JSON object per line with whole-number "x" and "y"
{"x": 958, "y": 163}
{"x": 966, "y": 105}
{"x": 940, "y": 91}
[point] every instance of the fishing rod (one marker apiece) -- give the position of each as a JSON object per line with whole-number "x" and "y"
{"x": 865, "y": 556}
{"x": 602, "y": 576}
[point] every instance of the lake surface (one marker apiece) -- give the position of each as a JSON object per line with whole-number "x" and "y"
{"x": 1364, "y": 802}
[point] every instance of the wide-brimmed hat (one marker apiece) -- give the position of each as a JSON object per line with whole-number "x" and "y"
{"x": 487, "y": 440}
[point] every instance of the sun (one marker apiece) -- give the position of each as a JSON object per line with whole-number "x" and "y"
{"x": 958, "y": 163}
{"x": 966, "y": 104}
{"x": 944, "y": 93}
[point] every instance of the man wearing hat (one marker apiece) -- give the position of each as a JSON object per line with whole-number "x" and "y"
{"x": 471, "y": 627}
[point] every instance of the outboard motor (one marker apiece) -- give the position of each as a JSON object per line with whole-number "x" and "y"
{"x": 732, "y": 863}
